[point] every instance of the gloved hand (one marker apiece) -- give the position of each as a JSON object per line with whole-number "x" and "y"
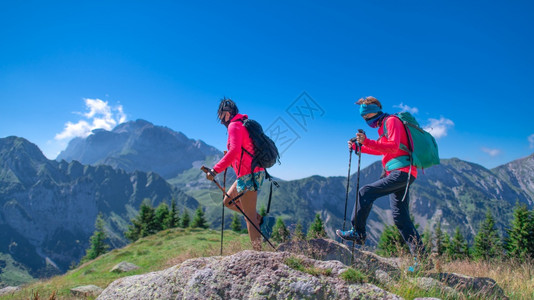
{"x": 211, "y": 175}
{"x": 353, "y": 144}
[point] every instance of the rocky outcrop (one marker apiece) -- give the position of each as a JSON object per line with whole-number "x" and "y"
{"x": 302, "y": 270}
{"x": 482, "y": 287}
{"x": 326, "y": 249}
{"x": 388, "y": 271}
{"x": 9, "y": 290}
{"x": 246, "y": 275}
{"x": 86, "y": 291}
{"x": 123, "y": 266}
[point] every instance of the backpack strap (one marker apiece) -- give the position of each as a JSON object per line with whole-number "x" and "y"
{"x": 243, "y": 150}
{"x": 404, "y": 160}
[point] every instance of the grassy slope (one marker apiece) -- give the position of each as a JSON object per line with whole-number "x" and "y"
{"x": 12, "y": 272}
{"x": 153, "y": 253}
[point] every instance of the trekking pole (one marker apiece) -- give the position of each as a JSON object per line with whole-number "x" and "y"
{"x": 222, "y": 220}
{"x": 206, "y": 170}
{"x": 347, "y": 194}
{"x": 357, "y": 190}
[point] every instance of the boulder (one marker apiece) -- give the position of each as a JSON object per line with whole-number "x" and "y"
{"x": 86, "y": 291}
{"x": 479, "y": 287}
{"x": 123, "y": 267}
{"x": 246, "y": 275}
{"x": 8, "y": 290}
{"x": 387, "y": 271}
{"x": 326, "y": 249}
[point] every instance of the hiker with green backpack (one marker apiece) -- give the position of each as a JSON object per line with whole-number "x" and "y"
{"x": 400, "y": 159}
{"x": 250, "y": 152}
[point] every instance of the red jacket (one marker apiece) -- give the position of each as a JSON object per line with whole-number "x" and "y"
{"x": 389, "y": 146}
{"x": 238, "y": 138}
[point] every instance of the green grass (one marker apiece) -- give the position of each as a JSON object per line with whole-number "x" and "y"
{"x": 353, "y": 276}
{"x": 299, "y": 265}
{"x": 13, "y": 273}
{"x": 153, "y": 253}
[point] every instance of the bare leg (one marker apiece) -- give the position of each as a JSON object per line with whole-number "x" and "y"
{"x": 232, "y": 192}
{"x": 248, "y": 204}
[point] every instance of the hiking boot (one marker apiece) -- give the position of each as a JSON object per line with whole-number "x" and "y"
{"x": 352, "y": 235}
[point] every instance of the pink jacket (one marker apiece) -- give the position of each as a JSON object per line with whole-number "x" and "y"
{"x": 238, "y": 138}
{"x": 389, "y": 146}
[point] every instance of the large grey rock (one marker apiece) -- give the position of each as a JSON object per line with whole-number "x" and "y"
{"x": 387, "y": 271}
{"x": 245, "y": 275}
{"x": 86, "y": 291}
{"x": 326, "y": 249}
{"x": 427, "y": 283}
{"x": 480, "y": 287}
{"x": 8, "y": 290}
{"x": 124, "y": 266}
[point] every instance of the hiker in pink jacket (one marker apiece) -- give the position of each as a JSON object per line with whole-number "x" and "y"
{"x": 239, "y": 156}
{"x": 394, "y": 182}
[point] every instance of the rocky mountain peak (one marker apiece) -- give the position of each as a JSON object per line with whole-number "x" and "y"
{"x": 140, "y": 145}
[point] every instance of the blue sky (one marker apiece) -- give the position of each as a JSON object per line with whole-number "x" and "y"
{"x": 466, "y": 67}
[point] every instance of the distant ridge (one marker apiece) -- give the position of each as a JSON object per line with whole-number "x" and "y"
{"x": 139, "y": 145}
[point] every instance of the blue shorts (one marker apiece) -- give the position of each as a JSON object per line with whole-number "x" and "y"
{"x": 245, "y": 182}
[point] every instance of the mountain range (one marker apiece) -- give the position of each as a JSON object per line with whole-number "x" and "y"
{"x": 48, "y": 208}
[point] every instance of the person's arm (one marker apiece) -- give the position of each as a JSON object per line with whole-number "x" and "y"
{"x": 392, "y": 142}
{"x": 366, "y": 150}
{"x": 235, "y": 140}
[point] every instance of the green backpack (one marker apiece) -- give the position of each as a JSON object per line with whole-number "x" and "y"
{"x": 423, "y": 148}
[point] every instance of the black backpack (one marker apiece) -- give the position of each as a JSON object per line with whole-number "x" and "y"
{"x": 265, "y": 153}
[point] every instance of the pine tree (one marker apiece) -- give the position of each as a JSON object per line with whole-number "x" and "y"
{"x": 173, "y": 219}
{"x": 199, "y": 221}
{"x": 185, "y": 219}
{"x": 316, "y": 228}
{"x": 519, "y": 242}
{"x": 236, "y": 223}
{"x": 458, "y": 246}
{"x": 143, "y": 224}
{"x": 427, "y": 239}
{"x": 298, "y": 234}
{"x": 391, "y": 242}
{"x": 487, "y": 241}
{"x": 161, "y": 216}
{"x": 97, "y": 247}
{"x": 148, "y": 219}
{"x": 280, "y": 233}
{"x": 263, "y": 211}
{"x": 447, "y": 246}
{"x": 134, "y": 230}
{"x": 439, "y": 239}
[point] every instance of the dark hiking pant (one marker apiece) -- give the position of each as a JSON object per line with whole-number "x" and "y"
{"x": 393, "y": 185}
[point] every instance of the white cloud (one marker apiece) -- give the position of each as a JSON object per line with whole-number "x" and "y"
{"x": 81, "y": 129}
{"x": 531, "y": 140}
{"x": 491, "y": 152}
{"x": 412, "y": 110}
{"x": 438, "y": 128}
{"x": 99, "y": 116}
